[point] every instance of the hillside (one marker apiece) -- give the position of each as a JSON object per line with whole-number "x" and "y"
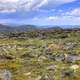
{"x": 21, "y": 28}
{"x": 49, "y": 54}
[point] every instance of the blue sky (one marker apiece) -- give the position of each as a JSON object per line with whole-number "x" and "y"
{"x": 40, "y": 12}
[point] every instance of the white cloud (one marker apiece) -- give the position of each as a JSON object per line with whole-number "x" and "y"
{"x": 35, "y": 19}
{"x": 29, "y": 5}
{"x": 37, "y": 4}
{"x": 71, "y": 17}
{"x": 52, "y": 18}
{"x": 74, "y": 12}
{"x": 44, "y": 2}
{"x": 58, "y": 20}
{"x": 62, "y": 18}
{"x": 7, "y": 6}
{"x": 3, "y": 1}
{"x": 8, "y": 11}
{"x": 65, "y": 19}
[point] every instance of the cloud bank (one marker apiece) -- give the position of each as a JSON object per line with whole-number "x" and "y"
{"x": 40, "y": 11}
{"x": 29, "y": 5}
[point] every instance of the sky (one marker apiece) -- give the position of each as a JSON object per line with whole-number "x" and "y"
{"x": 40, "y": 12}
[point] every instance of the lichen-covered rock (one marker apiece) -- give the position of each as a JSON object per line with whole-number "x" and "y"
{"x": 72, "y": 58}
{"x": 5, "y": 75}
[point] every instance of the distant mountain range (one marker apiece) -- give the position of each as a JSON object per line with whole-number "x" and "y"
{"x": 21, "y": 28}
{"x": 24, "y": 28}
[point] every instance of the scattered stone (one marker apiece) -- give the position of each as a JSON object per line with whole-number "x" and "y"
{"x": 5, "y": 75}
{"x": 27, "y": 74}
{"x": 51, "y": 67}
{"x": 74, "y": 67}
{"x": 38, "y": 78}
{"x": 47, "y": 77}
{"x": 60, "y": 57}
{"x": 55, "y": 46}
{"x": 69, "y": 46}
{"x": 42, "y": 58}
{"x": 72, "y": 58}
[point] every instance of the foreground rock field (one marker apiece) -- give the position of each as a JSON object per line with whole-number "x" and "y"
{"x": 43, "y": 55}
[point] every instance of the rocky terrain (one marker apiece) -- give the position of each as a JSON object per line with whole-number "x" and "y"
{"x": 51, "y": 54}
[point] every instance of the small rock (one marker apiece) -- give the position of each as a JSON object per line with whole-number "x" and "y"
{"x": 38, "y": 78}
{"x": 26, "y": 74}
{"x": 5, "y": 75}
{"x": 52, "y": 67}
{"x": 42, "y": 58}
{"x": 72, "y": 58}
{"x": 74, "y": 67}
